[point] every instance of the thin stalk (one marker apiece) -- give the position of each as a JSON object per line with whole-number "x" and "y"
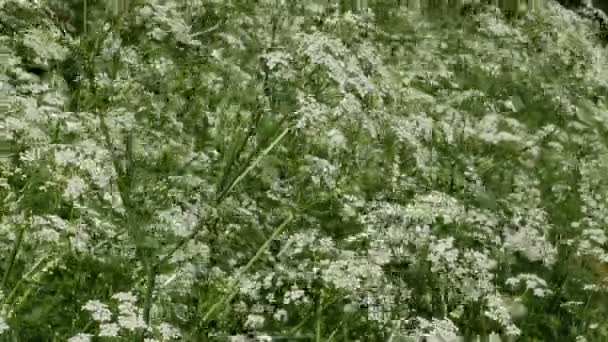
{"x": 236, "y": 154}
{"x": 318, "y": 312}
{"x": 24, "y": 278}
{"x": 35, "y": 271}
{"x": 88, "y": 325}
{"x": 221, "y": 197}
{"x": 184, "y": 240}
{"x": 261, "y": 250}
{"x": 84, "y": 17}
{"x": 255, "y": 162}
{"x": 345, "y": 332}
{"x": 297, "y": 328}
{"x": 125, "y": 181}
{"x": 10, "y": 262}
{"x": 331, "y": 337}
{"x": 150, "y": 284}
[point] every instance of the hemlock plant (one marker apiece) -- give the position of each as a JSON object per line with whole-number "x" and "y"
{"x": 174, "y": 171}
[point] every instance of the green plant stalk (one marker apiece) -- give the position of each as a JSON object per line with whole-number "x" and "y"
{"x": 318, "y": 313}
{"x": 88, "y": 325}
{"x": 34, "y": 271}
{"x": 258, "y": 254}
{"x": 242, "y": 175}
{"x": 234, "y": 156}
{"x": 10, "y": 262}
{"x": 305, "y": 320}
{"x": 151, "y": 274}
{"x": 331, "y": 336}
{"x": 25, "y": 277}
{"x": 84, "y": 16}
{"x": 220, "y": 198}
{"x": 30, "y": 289}
{"x": 124, "y": 190}
{"x": 345, "y": 331}
{"x": 150, "y": 284}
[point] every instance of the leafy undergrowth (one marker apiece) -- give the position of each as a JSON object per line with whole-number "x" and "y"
{"x": 178, "y": 172}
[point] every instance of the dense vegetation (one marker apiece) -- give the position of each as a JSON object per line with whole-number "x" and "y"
{"x": 176, "y": 170}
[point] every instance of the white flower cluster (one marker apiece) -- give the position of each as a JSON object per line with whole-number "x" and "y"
{"x": 99, "y": 311}
{"x": 3, "y": 326}
{"x": 176, "y": 220}
{"x": 128, "y": 318}
{"x": 162, "y": 19}
{"x": 441, "y": 327}
{"x": 81, "y": 338}
{"x": 129, "y": 315}
{"x": 296, "y": 296}
{"x": 532, "y": 282}
{"x": 497, "y": 311}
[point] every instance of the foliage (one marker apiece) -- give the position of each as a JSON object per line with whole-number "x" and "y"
{"x": 184, "y": 169}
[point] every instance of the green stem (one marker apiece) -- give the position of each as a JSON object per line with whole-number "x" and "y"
{"x": 10, "y": 262}
{"x": 297, "y": 328}
{"x": 150, "y": 284}
{"x": 331, "y": 337}
{"x": 236, "y": 154}
{"x": 84, "y": 18}
{"x": 34, "y": 268}
{"x": 345, "y": 331}
{"x": 318, "y": 314}
{"x": 234, "y": 288}
{"x": 220, "y": 199}
{"x": 253, "y": 164}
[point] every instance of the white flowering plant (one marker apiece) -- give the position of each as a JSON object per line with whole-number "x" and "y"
{"x": 183, "y": 170}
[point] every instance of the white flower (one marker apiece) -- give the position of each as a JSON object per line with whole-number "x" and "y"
{"x": 293, "y": 295}
{"x": 109, "y": 329}
{"x": 336, "y": 139}
{"x": 528, "y": 241}
{"x": 276, "y": 58}
{"x": 99, "y": 311}
{"x": 180, "y": 222}
{"x": 250, "y": 287}
{"x": 3, "y": 326}
{"x": 124, "y": 297}
{"x": 75, "y": 188}
{"x": 81, "y": 338}
{"x": 66, "y": 156}
{"x": 254, "y": 321}
{"x": 167, "y": 331}
{"x": 442, "y": 255}
{"x": 48, "y": 235}
{"x": 532, "y": 282}
{"x": 444, "y": 327}
{"x": 280, "y": 315}
{"x": 43, "y": 43}
{"x": 345, "y": 274}
{"x": 130, "y": 316}
{"x": 596, "y": 235}
{"x": 131, "y": 322}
